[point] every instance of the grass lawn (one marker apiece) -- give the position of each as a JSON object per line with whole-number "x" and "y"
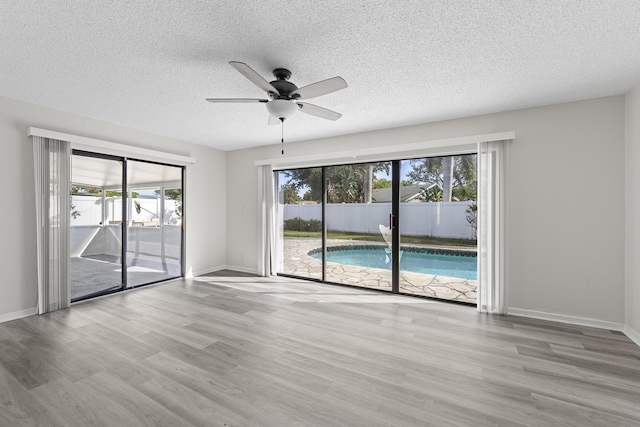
{"x": 425, "y": 240}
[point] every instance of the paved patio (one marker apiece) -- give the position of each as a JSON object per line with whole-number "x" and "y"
{"x": 296, "y": 261}
{"x": 100, "y": 273}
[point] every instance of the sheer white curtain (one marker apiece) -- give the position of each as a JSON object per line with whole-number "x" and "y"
{"x": 491, "y": 158}
{"x": 52, "y": 172}
{"x": 267, "y": 239}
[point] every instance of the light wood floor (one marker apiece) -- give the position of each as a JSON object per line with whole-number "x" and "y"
{"x": 227, "y": 350}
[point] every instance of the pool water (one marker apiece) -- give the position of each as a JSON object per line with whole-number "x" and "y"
{"x": 464, "y": 267}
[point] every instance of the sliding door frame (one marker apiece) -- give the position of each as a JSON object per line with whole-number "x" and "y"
{"x": 394, "y": 224}
{"x": 182, "y": 228}
{"x": 324, "y": 224}
{"x": 125, "y": 225}
{"x": 123, "y": 247}
{"x": 126, "y": 219}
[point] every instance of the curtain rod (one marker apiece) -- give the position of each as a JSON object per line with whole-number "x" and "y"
{"x": 106, "y": 147}
{"x": 367, "y": 154}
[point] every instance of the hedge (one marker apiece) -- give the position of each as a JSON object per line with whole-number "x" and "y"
{"x": 299, "y": 224}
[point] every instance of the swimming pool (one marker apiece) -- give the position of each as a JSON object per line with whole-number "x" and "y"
{"x": 439, "y": 262}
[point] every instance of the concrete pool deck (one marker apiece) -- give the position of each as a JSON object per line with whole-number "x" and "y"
{"x": 297, "y": 262}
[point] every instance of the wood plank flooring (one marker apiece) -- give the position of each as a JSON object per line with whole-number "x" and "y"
{"x": 236, "y": 350}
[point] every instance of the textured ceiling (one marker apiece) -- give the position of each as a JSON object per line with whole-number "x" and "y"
{"x": 149, "y": 64}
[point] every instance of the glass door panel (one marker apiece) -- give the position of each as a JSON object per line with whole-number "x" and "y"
{"x": 96, "y": 226}
{"x": 427, "y": 204}
{"x": 154, "y": 232}
{"x": 438, "y": 227}
{"x": 299, "y": 222}
{"x": 357, "y": 220}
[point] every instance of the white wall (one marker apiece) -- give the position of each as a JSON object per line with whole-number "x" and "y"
{"x": 206, "y": 191}
{"x": 563, "y": 156}
{"x": 632, "y": 181}
{"x": 242, "y": 210}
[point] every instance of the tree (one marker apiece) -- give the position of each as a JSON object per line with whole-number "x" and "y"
{"x": 432, "y": 194}
{"x": 463, "y": 174}
{"x": 427, "y": 170}
{"x": 174, "y": 194}
{"x": 79, "y": 190}
{"x": 94, "y": 191}
{"x": 447, "y": 178}
{"x": 465, "y": 183}
{"x": 368, "y": 183}
{"x": 381, "y": 183}
{"x": 289, "y": 194}
{"x": 472, "y": 218}
{"x": 346, "y": 182}
{"x": 310, "y": 178}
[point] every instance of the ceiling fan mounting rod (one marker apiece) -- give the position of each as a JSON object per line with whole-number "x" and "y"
{"x": 282, "y": 74}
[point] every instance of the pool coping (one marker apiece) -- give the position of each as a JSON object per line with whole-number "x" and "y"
{"x": 296, "y": 261}
{"x": 411, "y": 249}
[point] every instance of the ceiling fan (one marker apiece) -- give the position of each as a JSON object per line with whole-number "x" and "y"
{"x": 285, "y": 97}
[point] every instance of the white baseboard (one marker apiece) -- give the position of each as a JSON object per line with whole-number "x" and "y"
{"x": 18, "y": 314}
{"x": 241, "y": 269}
{"x": 632, "y": 334}
{"x": 562, "y": 318}
{"x": 223, "y": 267}
{"x": 206, "y": 271}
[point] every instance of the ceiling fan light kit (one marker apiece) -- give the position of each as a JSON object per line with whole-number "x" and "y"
{"x": 282, "y": 109}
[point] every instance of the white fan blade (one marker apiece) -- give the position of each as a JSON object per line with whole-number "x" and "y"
{"x": 314, "y": 110}
{"x": 236, "y": 100}
{"x": 256, "y": 78}
{"x": 273, "y": 120}
{"x": 320, "y": 88}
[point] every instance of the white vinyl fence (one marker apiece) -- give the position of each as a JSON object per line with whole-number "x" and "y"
{"x": 89, "y": 210}
{"x": 444, "y": 219}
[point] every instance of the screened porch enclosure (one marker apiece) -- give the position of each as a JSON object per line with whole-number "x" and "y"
{"x": 143, "y": 228}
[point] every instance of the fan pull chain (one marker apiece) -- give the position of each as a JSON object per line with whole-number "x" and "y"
{"x": 282, "y": 140}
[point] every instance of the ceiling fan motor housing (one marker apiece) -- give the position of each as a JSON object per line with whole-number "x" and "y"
{"x": 284, "y": 88}
{"x": 282, "y": 84}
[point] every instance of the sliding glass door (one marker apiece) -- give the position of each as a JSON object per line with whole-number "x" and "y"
{"x": 358, "y": 234}
{"x": 437, "y": 212}
{"x": 96, "y": 226}
{"x": 154, "y": 237}
{"x": 404, "y": 226}
{"x": 299, "y": 222}
{"x": 126, "y": 224}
